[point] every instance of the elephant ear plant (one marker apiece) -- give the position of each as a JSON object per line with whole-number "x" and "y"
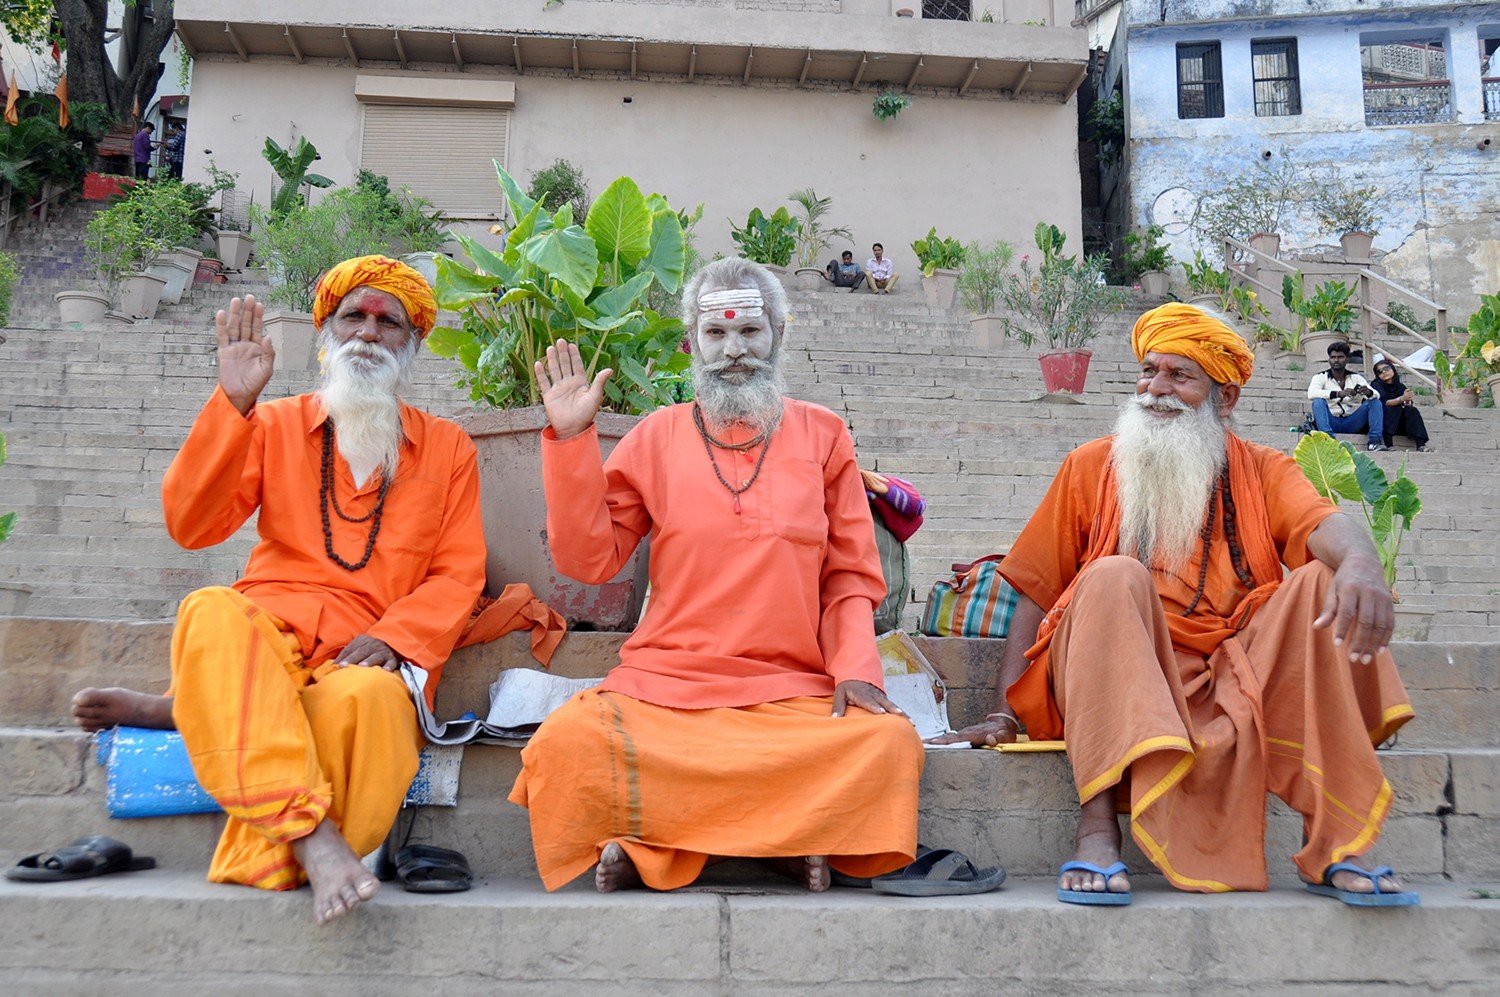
{"x": 555, "y": 278}
{"x": 1338, "y": 471}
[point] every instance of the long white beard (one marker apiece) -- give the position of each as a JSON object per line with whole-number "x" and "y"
{"x": 362, "y": 386}
{"x": 754, "y": 403}
{"x": 1166, "y": 469}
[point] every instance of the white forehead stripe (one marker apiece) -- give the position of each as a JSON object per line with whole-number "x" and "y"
{"x": 737, "y": 303}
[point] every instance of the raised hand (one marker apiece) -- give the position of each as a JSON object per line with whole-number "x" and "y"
{"x": 246, "y": 356}
{"x": 570, "y": 398}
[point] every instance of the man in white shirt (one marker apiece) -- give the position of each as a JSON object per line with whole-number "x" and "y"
{"x": 880, "y": 275}
{"x": 1344, "y": 402}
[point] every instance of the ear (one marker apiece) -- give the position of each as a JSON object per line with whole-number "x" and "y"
{"x": 1229, "y": 396}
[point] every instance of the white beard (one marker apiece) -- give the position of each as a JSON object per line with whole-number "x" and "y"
{"x": 1166, "y": 470}
{"x": 754, "y": 402}
{"x": 362, "y": 386}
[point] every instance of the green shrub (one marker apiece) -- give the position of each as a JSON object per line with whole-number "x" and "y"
{"x": 1144, "y": 251}
{"x": 936, "y": 253}
{"x": 559, "y": 184}
{"x": 981, "y": 275}
{"x": 767, "y": 239}
{"x": 10, "y": 274}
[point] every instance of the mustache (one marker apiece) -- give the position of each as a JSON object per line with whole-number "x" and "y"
{"x": 1165, "y": 403}
{"x": 752, "y": 364}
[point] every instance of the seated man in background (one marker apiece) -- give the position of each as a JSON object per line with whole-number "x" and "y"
{"x": 1156, "y": 635}
{"x": 1344, "y": 402}
{"x": 746, "y": 717}
{"x": 371, "y": 553}
{"x": 845, "y": 272}
{"x": 880, "y": 272}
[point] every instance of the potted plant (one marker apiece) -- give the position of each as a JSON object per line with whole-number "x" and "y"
{"x": 1326, "y": 316}
{"x": 291, "y": 167}
{"x": 1145, "y": 260}
{"x": 232, "y": 239}
{"x": 169, "y": 213}
{"x": 1268, "y": 342}
{"x": 981, "y": 281}
{"x": 116, "y": 244}
{"x": 769, "y": 240}
{"x": 1061, "y": 300}
{"x": 939, "y": 259}
{"x": 1207, "y": 284}
{"x": 10, "y": 276}
{"x": 1253, "y": 201}
{"x": 1483, "y": 346}
{"x": 1458, "y": 380}
{"x": 1349, "y": 211}
{"x": 556, "y": 278}
{"x": 813, "y": 237}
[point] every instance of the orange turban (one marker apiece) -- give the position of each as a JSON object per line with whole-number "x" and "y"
{"x": 383, "y": 274}
{"x": 1191, "y": 332}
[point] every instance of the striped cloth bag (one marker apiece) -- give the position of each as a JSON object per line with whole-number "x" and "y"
{"x": 975, "y": 602}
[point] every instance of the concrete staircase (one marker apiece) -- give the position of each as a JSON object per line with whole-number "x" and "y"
{"x": 95, "y": 414}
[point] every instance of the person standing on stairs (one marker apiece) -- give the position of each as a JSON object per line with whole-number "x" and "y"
{"x": 371, "y": 554}
{"x": 1155, "y": 633}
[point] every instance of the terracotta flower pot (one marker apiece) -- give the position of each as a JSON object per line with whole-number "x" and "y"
{"x": 1064, "y": 371}
{"x": 209, "y": 271}
{"x": 810, "y": 279}
{"x": 234, "y": 248}
{"x": 1155, "y": 283}
{"x": 1315, "y": 347}
{"x": 1357, "y": 245}
{"x": 83, "y": 307}
{"x": 1493, "y": 382}
{"x": 515, "y": 520}
{"x": 940, "y": 288}
{"x": 293, "y": 336}
{"x": 989, "y": 333}
{"x": 1460, "y": 398}
{"x": 141, "y": 294}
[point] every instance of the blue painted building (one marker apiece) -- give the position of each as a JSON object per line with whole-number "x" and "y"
{"x": 1402, "y": 95}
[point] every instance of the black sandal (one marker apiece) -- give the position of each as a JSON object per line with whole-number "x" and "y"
{"x": 430, "y": 869}
{"x": 84, "y": 858}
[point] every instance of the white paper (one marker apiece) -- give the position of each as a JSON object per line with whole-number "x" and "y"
{"x": 524, "y": 696}
{"x": 913, "y": 693}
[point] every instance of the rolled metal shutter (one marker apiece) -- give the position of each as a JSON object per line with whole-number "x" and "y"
{"x": 444, "y": 154}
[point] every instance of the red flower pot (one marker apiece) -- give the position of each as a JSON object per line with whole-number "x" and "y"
{"x": 209, "y": 271}
{"x": 103, "y": 186}
{"x": 1064, "y": 371}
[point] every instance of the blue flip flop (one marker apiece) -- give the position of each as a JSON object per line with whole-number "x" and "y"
{"x": 1379, "y": 898}
{"x": 1105, "y": 899}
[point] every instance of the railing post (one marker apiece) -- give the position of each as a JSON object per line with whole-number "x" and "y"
{"x": 1442, "y": 329}
{"x": 1366, "y": 319}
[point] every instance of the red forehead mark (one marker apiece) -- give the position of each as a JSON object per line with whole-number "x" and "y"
{"x": 729, "y": 313}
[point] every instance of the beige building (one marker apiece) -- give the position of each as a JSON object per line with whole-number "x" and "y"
{"x": 732, "y": 103}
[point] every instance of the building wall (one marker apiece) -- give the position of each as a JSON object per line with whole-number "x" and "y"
{"x": 975, "y": 168}
{"x": 1441, "y": 223}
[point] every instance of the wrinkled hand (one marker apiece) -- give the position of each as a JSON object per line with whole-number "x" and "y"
{"x": 365, "y": 651}
{"x": 246, "y": 356}
{"x": 982, "y": 735}
{"x": 1359, "y": 608}
{"x": 570, "y": 398}
{"x": 853, "y": 692}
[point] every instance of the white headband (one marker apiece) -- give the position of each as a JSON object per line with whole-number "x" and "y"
{"x": 737, "y": 303}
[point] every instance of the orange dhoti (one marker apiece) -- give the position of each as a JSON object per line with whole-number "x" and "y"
{"x": 280, "y": 745}
{"x": 1196, "y": 743}
{"x": 676, "y": 786}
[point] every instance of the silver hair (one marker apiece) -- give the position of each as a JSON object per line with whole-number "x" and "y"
{"x": 730, "y": 274}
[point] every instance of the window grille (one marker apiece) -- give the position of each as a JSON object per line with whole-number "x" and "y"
{"x": 1200, "y": 81}
{"x": 1406, "y": 82}
{"x": 946, "y": 10}
{"x": 1278, "y": 87}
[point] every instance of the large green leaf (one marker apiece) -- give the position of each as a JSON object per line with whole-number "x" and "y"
{"x": 567, "y": 254}
{"x": 485, "y": 260}
{"x": 1403, "y": 499}
{"x": 1328, "y": 466}
{"x": 667, "y": 256}
{"x": 7, "y": 523}
{"x": 446, "y": 342}
{"x": 1372, "y": 480}
{"x": 615, "y": 300}
{"x": 520, "y": 202}
{"x": 457, "y": 285}
{"x": 525, "y": 228}
{"x": 620, "y": 223}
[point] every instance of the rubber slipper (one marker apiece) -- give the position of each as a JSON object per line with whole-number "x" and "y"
{"x": 863, "y": 882}
{"x": 942, "y": 872}
{"x": 1108, "y": 898}
{"x": 430, "y": 869}
{"x": 84, "y": 858}
{"x": 1379, "y": 898}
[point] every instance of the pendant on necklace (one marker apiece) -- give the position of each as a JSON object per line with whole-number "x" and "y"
{"x": 736, "y": 505}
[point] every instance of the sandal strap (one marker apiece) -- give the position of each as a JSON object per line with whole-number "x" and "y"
{"x": 1373, "y": 875}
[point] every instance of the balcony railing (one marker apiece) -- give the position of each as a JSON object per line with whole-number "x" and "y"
{"x": 1408, "y": 103}
{"x": 1491, "y": 98}
{"x": 1085, "y": 9}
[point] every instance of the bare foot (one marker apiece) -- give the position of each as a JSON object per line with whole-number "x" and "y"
{"x": 100, "y": 709}
{"x": 340, "y": 882}
{"x": 1355, "y": 883}
{"x": 615, "y": 871}
{"x": 1097, "y": 843}
{"x": 811, "y": 871}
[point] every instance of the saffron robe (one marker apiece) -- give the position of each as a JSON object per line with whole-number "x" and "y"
{"x": 712, "y": 735}
{"x": 1199, "y": 715}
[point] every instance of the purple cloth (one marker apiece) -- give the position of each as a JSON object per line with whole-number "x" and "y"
{"x": 900, "y": 508}
{"x": 142, "y": 146}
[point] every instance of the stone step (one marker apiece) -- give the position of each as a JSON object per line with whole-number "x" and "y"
{"x": 734, "y": 937}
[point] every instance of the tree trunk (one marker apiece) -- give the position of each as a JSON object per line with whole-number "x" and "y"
{"x": 91, "y": 76}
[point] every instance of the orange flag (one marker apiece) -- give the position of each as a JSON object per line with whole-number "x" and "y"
{"x": 135, "y": 109}
{"x": 12, "y": 117}
{"x": 62, "y": 101}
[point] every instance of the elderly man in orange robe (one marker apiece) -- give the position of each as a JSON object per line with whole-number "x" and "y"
{"x": 371, "y": 553}
{"x": 1156, "y": 633}
{"x": 747, "y": 716}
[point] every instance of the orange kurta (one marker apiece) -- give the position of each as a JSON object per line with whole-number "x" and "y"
{"x": 712, "y": 736}
{"x": 1198, "y": 716}
{"x": 277, "y": 733}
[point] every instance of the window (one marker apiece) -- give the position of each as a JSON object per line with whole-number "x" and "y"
{"x": 1277, "y": 88}
{"x": 1200, "y": 81}
{"x": 442, "y": 153}
{"x": 1489, "y": 70}
{"x": 1406, "y": 81}
{"x": 945, "y": 10}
